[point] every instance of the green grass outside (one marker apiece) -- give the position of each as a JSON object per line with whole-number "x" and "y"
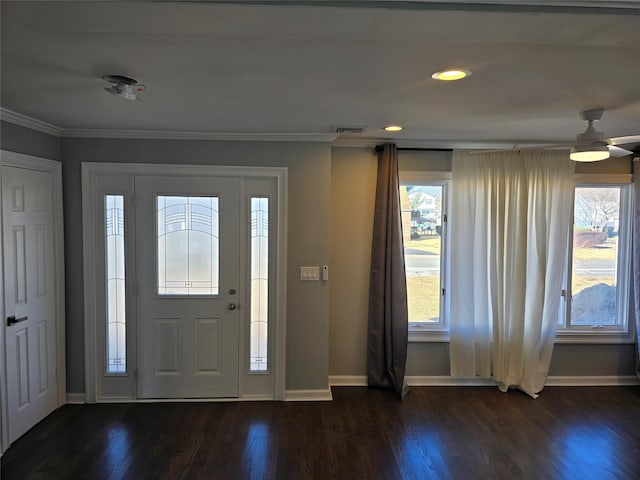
{"x": 423, "y": 298}
{"x": 604, "y": 251}
{"x": 429, "y": 244}
{"x": 423, "y": 293}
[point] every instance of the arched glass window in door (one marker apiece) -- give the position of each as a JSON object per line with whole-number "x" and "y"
{"x": 188, "y": 245}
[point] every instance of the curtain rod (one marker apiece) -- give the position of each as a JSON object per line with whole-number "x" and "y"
{"x": 417, "y": 149}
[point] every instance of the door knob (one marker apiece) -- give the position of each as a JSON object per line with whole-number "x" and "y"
{"x": 232, "y": 306}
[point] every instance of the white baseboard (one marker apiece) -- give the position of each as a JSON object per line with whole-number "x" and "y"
{"x": 591, "y": 381}
{"x": 442, "y": 381}
{"x": 447, "y": 381}
{"x": 413, "y": 381}
{"x": 75, "y": 398}
{"x": 256, "y": 398}
{"x": 308, "y": 395}
{"x": 124, "y": 399}
{"x": 348, "y": 380}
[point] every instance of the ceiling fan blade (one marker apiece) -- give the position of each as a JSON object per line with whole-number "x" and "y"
{"x": 615, "y": 151}
{"x": 624, "y": 140}
{"x": 629, "y": 142}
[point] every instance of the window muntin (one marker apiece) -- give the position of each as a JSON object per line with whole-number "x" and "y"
{"x": 598, "y": 267}
{"x": 424, "y": 214}
{"x": 116, "y": 325}
{"x": 259, "y": 284}
{"x": 188, "y": 242}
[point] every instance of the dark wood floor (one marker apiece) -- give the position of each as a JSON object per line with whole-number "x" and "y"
{"x": 441, "y": 432}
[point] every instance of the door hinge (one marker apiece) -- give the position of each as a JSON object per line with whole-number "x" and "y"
{"x": 444, "y": 292}
{"x": 444, "y": 218}
{"x": 563, "y": 293}
{"x": 133, "y": 199}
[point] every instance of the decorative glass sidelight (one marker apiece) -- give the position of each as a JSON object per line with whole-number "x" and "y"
{"x": 188, "y": 245}
{"x": 115, "y": 285}
{"x": 259, "y": 284}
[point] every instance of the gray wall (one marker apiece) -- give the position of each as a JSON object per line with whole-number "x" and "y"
{"x": 308, "y": 238}
{"x": 331, "y": 195}
{"x": 353, "y": 179}
{"x": 29, "y": 142}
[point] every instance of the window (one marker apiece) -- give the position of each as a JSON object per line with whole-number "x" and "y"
{"x": 596, "y": 295}
{"x": 423, "y": 199}
{"x": 188, "y": 244}
{"x": 115, "y": 285}
{"x": 259, "y": 284}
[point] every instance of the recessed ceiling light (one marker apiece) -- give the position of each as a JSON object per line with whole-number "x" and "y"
{"x": 449, "y": 75}
{"x": 393, "y": 128}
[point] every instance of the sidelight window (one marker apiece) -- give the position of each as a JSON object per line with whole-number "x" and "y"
{"x": 259, "y": 284}
{"x": 115, "y": 284}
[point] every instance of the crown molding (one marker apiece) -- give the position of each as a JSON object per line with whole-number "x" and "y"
{"x": 633, "y": 4}
{"x": 370, "y": 142}
{"x": 34, "y": 124}
{"x": 24, "y": 121}
{"x": 333, "y": 138}
{"x": 172, "y": 135}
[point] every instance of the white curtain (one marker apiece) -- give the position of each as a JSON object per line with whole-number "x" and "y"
{"x": 510, "y": 220}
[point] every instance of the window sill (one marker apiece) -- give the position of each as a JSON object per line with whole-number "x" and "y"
{"x": 588, "y": 336}
{"x": 417, "y": 335}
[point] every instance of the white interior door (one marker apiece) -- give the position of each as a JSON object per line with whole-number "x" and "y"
{"x": 29, "y": 296}
{"x": 188, "y": 279}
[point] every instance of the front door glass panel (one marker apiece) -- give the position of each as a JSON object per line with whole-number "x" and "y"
{"x": 188, "y": 236}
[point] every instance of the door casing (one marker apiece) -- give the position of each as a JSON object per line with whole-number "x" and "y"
{"x": 92, "y": 173}
{"x": 13, "y": 159}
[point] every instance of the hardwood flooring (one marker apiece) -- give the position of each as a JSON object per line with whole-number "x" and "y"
{"x": 436, "y": 432}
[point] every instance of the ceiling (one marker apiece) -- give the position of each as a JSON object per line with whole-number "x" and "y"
{"x": 302, "y": 68}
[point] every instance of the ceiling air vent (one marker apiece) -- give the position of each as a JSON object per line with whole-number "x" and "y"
{"x": 349, "y": 130}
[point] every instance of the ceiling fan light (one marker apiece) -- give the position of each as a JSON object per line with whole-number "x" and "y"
{"x": 592, "y": 152}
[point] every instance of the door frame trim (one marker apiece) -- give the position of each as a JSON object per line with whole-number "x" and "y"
{"x": 91, "y": 171}
{"x": 13, "y": 159}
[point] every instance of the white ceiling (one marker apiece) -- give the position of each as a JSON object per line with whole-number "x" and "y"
{"x": 304, "y": 68}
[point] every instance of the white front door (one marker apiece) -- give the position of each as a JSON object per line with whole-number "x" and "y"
{"x": 188, "y": 280}
{"x": 29, "y": 297}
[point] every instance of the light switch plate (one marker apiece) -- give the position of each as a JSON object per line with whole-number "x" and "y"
{"x": 310, "y": 273}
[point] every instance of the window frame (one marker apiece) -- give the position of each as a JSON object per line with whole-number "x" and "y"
{"x": 623, "y": 331}
{"x": 421, "y": 332}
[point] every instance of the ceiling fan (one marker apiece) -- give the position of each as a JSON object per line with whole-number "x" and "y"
{"x": 591, "y": 146}
{"x": 124, "y": 87}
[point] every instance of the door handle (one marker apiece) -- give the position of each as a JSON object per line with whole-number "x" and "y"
{"x": 232, "y": 306}
{"x": 12, "y": 320}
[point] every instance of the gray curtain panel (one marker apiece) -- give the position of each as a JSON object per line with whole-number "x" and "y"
{"x": 388, "y": 319}
{"x": 636, "y": 257}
